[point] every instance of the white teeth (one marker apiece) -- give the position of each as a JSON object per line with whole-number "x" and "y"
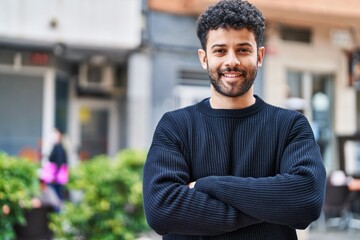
{"x": 232, "y": 75}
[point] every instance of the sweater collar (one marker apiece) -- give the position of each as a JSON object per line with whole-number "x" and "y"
{"x": 205, "y": 108}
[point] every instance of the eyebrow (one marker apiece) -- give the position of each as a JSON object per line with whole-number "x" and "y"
{"x": 238, "y": 45}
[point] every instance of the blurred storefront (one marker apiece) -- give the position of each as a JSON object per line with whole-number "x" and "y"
{"x": 309, "y": 47}
{"x": 66, "y": 64}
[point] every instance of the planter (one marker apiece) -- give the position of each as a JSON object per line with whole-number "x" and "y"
{"x": 36, "y": 227}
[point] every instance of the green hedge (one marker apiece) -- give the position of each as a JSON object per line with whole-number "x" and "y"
{"x": 111, "y": 199}
{"x": 18, "y": 185}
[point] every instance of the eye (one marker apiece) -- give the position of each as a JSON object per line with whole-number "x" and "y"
{"x": 219, "y": 51}
{"x": 244, "y": 50}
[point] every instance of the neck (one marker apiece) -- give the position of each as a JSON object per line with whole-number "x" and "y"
{"x": 218, "y": 101}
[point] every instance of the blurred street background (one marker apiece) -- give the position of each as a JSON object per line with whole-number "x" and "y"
{"x": 104, "y": 72}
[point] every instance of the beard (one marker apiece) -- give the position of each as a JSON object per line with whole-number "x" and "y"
{"x": 235, "y": 89}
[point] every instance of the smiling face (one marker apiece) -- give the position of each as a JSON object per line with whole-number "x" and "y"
{"x": 231, "y": 59}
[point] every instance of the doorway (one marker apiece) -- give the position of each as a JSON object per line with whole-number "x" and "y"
{"x": 317, "y": 92}
{"x": 96, "y": 130}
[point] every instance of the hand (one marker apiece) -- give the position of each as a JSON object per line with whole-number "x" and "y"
{"x": 354, "y": 185}
{"x": 191, "y": 185}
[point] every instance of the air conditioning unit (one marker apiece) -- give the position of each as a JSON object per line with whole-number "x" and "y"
{"x": 96, "y": 77}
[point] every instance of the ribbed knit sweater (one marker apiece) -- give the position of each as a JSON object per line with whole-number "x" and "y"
{"x": 258, "y": 172}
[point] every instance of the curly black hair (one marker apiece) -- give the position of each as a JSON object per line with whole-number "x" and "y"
{"x": 231, "y": 14}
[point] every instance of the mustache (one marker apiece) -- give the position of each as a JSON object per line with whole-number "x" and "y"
{"x": 232, "y": 69}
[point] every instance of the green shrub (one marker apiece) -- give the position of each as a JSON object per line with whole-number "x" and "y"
{"x": 18, "y": 185}
{"x": 111, "y": 202}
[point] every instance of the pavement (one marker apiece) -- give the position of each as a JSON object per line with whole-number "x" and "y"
{"x": 334, "y": 234}
{"x": 310, "y": 234}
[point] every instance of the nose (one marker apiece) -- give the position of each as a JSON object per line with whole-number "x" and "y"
{"x": 232, "y": 59}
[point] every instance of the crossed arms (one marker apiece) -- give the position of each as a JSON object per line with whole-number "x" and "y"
{"x": 221, "y": 204}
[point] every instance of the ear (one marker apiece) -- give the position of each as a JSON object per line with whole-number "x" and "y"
{"x": 202, "y": 58}
{"x": 260, "y": 56}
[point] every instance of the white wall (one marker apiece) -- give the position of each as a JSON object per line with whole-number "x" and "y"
{"x": 139, "y": 112}
{"x": 92, "y": 23}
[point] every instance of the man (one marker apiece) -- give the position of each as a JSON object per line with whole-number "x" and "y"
{"x": 232, "y": 166}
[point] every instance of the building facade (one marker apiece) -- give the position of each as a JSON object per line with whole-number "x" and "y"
{"x": 106, "y": 72}
{"x": 67, "y": 64}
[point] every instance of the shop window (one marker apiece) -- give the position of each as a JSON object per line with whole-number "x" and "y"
{"x": 313, "y": 95}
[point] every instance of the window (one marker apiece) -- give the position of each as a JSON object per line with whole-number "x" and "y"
{"x": 314, "y": 93}
{"x": 193, "y": 87}
{"x": 296, "y": 34}
{"x": 193, "y": 78}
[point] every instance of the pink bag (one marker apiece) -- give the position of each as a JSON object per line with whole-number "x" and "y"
{"x": 62, "y": 176}
{"x": 50, "y": 173}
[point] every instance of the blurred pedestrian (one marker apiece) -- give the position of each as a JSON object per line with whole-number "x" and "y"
{"x": 58, "y": 157}
{"x": 232, "y": 166}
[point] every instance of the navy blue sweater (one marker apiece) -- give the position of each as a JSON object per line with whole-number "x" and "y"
{"x": 258, "y": 172}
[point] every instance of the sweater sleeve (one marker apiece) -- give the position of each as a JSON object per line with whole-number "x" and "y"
{"x": 170, "y": 206}
{"x": 293, "y": 197}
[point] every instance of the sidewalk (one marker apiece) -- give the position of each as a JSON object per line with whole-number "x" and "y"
{"x": 313, "y": 234}
{"x": 334, "y": 234}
